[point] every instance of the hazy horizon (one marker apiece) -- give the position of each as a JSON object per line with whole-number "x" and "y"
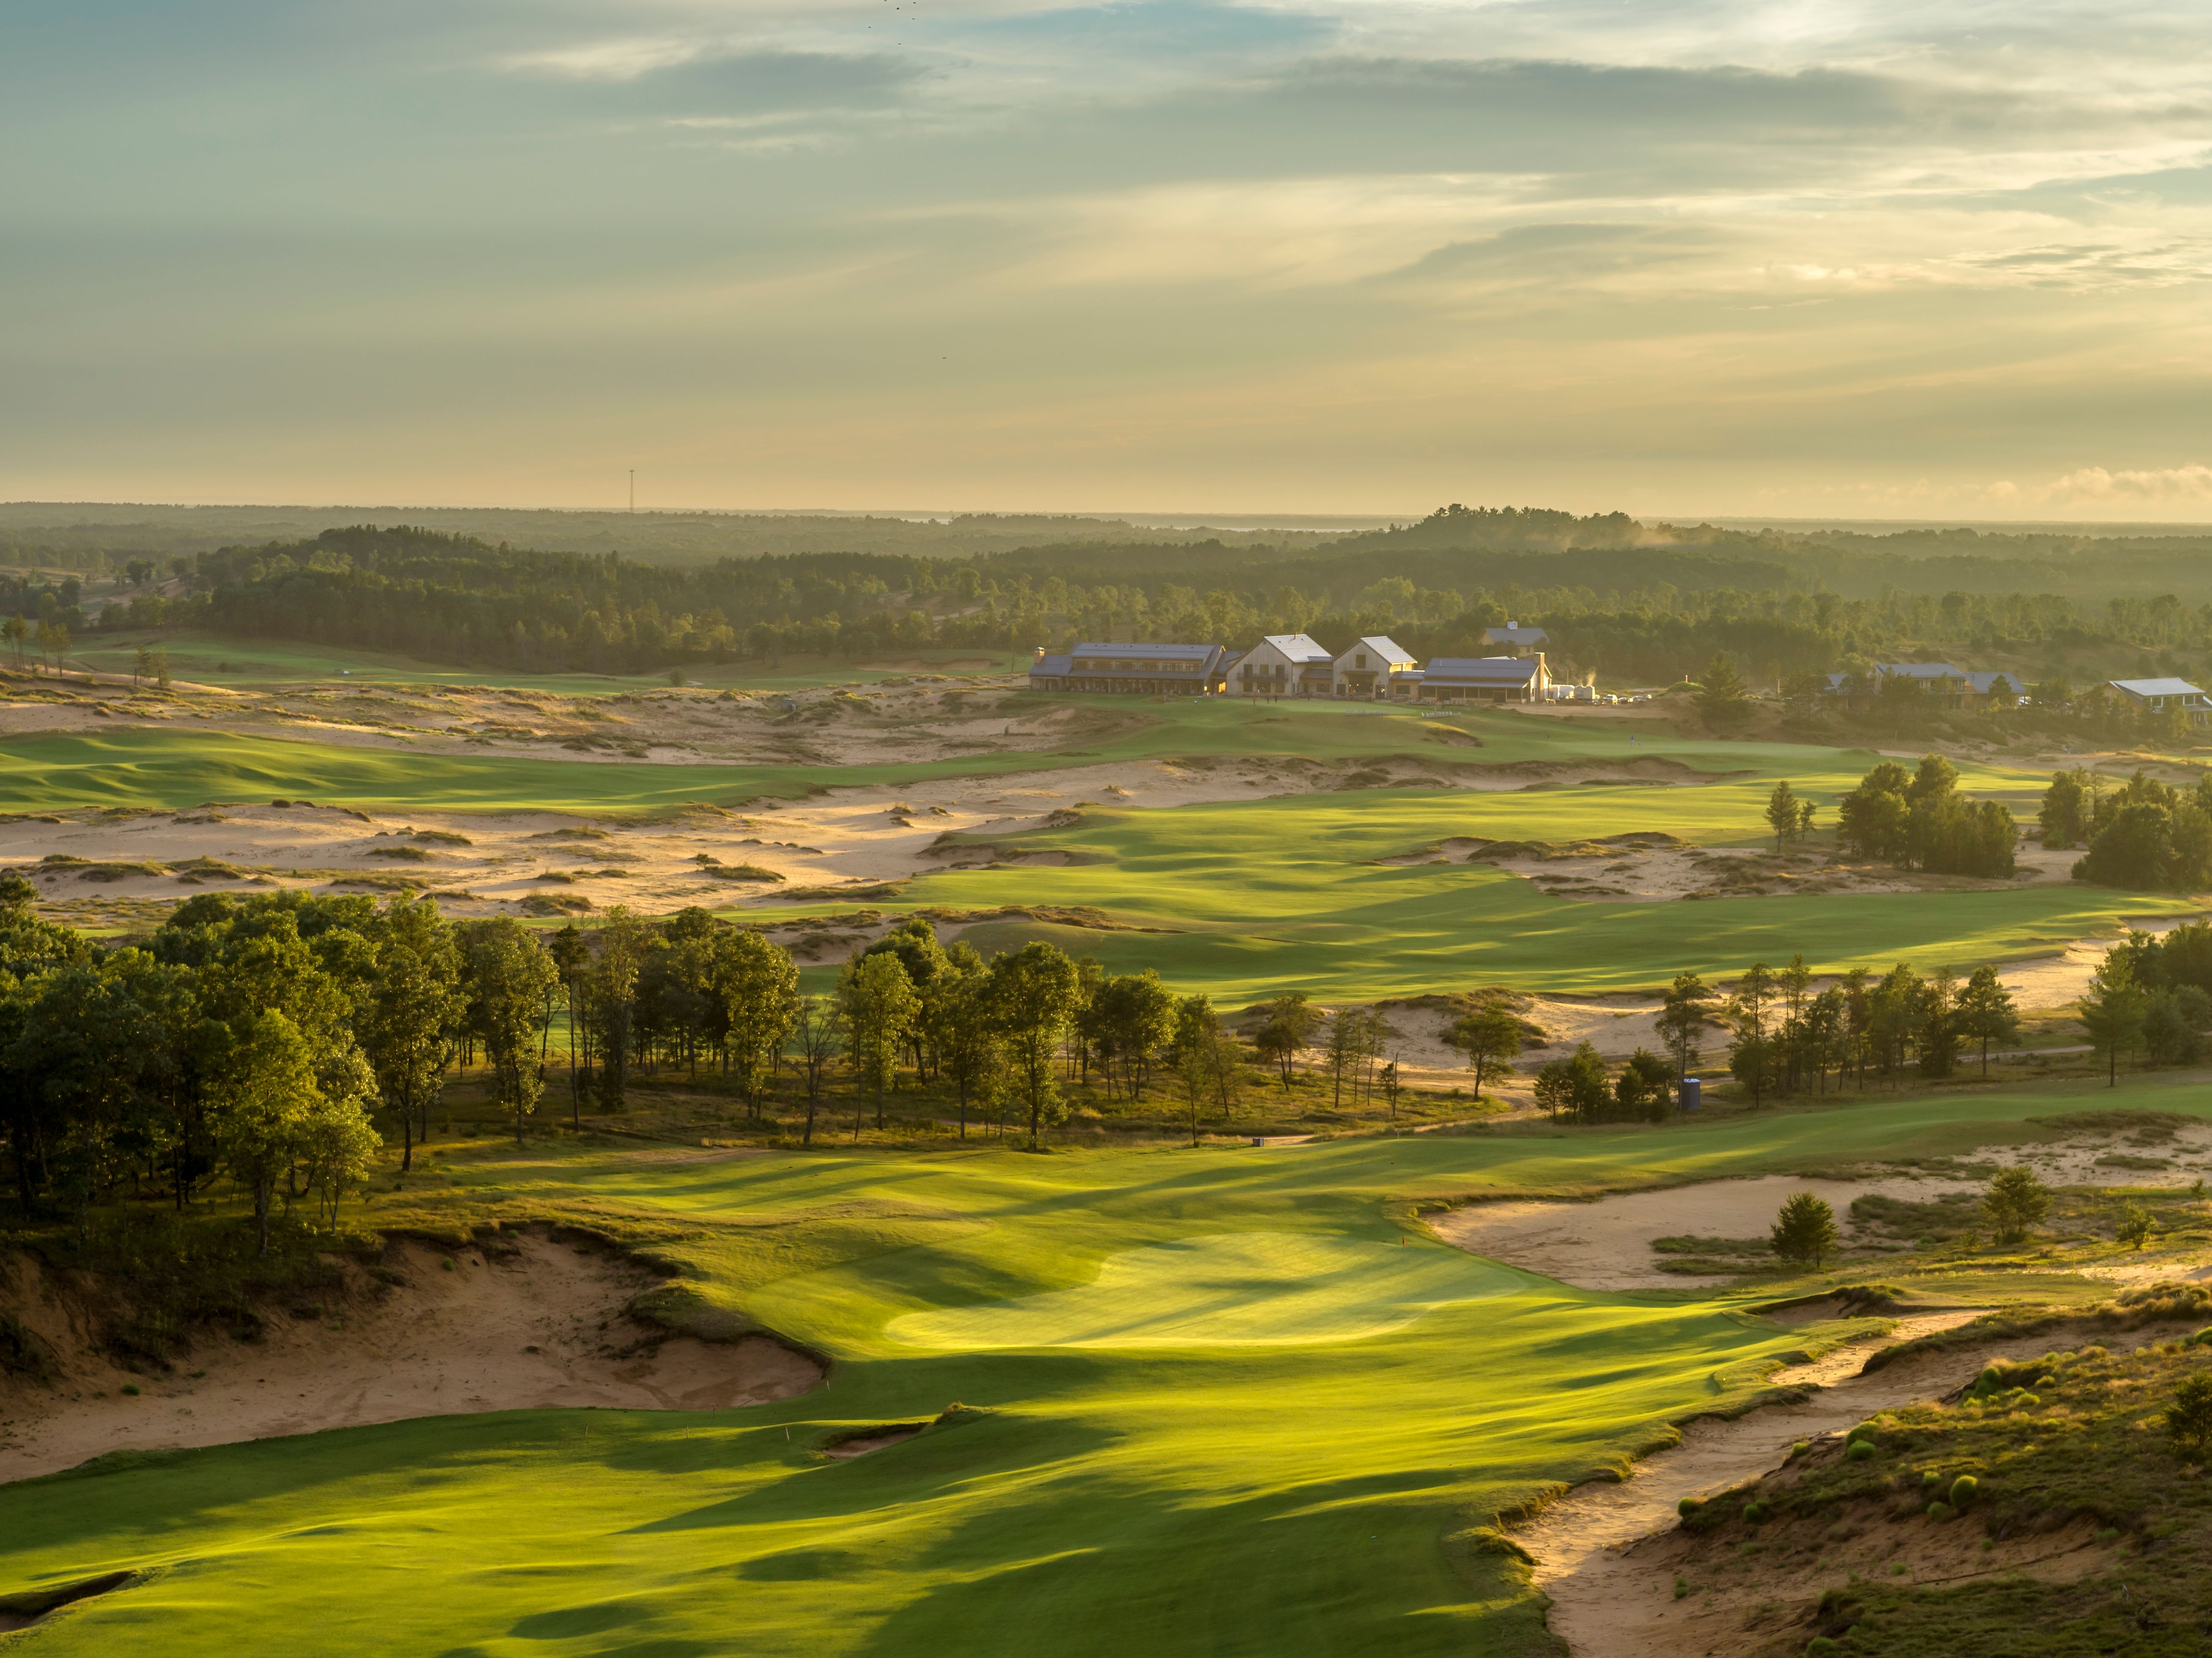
{"x": 1721, "y": 258}
{"x": 47, "y": 514}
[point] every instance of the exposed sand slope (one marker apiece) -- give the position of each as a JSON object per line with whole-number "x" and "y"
{"x": 544, "y": 1327}
{"x": 1608, "y": 1554}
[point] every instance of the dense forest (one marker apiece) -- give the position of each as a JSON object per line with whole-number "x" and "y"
{"x": 1634, "y": 603}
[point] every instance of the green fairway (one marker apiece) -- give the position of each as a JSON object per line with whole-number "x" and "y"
{"x": 1233, "y": 1290}
{"x": 1242, "y": 899}
{"x": 218, "y": 660}
{"x": 142, "y": 768}
{"x": 1254, "y": 898}
{"x": 1215, "y": 1406}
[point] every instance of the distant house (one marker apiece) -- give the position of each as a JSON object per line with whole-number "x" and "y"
{"x": 1186, "y": 669}
{"x": 1284, "y": 665}
{"x": 1517, "y": 638}
{"x": 1946, "y": 686}
{"x": 1374, "y": 668}
{"x": 2159, "y": 695}
{"x": 1486, "y": 679}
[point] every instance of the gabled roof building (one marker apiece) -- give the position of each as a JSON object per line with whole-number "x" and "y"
{"x": 2159, "y": 695}
{"x": 1373, "y": 669}
{"x": 1284, "y": 665}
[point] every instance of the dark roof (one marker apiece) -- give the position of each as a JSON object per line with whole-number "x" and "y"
{"x": 1197, "y": 653}
{"x": 1514, "y": 636}
{"x": 1488, "y": 670}
{"x": 1050, "y": 666}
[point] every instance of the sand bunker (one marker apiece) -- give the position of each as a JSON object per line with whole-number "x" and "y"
{"x": 846, "y": 1450}
{"x": 544, "y": 1327}
{"x": 1607, "y": 1244}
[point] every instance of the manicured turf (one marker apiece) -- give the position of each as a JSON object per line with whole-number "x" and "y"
{"x": 184, "y": 765}
{"x": 1254, "y": 898}
{"x": 1271, "y": 1489}
{"x": 1250, "y": 898}
{"x": 216, "y": 659}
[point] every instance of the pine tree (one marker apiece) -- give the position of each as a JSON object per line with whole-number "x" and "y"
{"x": 1722, "y": 697}
{"x": 2112, "y": 1011}
{"x": 1804, "y": 1232}
{"x": 1784, "y": 815}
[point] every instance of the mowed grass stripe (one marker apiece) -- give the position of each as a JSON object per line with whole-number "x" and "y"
{"x": 1238, "y": 1289}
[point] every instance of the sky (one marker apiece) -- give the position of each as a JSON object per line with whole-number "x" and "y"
{"x": 1802, "y": 258}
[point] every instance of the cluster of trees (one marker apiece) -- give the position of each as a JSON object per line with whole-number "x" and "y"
{"x": 1637, "y": 602}
{"x": 48, "y": 637}
{"x": 2144, "y": 834}
{"x": 2152, "y": 994}
{"x": 240, "y": 1042}
{"x": 1787, "y": 1039}
{"x": 269, "y": 1040}
{"x": 1919, "y": 820}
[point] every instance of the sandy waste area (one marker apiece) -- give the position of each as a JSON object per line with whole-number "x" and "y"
{"x": 1608, "y": 1554}
{"x": 542, "y": 1327}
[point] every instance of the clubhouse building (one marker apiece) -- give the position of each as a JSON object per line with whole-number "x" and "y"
{"x": 1375, "y": 669}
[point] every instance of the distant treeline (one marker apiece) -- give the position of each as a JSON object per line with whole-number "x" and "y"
{"x": 1633, "y": 602}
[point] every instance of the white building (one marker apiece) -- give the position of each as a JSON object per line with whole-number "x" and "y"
{"x": 2160, "y": 694}
{"x": 1284, "y": 665}
{"x": 1374, "y": 669}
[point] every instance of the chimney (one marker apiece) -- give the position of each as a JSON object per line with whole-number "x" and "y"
{"x": 1040, "y": 653}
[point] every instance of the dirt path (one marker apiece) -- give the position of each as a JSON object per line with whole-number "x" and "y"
{"x": 541, "y": 1328}
{"x": 1610, "y": 1597}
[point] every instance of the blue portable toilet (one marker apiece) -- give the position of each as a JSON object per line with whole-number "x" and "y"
{"x": 1691, "y": 1091}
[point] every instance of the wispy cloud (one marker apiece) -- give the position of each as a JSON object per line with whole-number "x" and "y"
{"x": 1683, "y": 255}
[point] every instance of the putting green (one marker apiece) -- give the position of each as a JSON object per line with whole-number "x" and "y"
{"x": 1243, "y": 1288}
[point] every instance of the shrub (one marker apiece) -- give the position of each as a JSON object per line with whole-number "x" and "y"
{"x": 1864, "y": 1431}
{"x": 2135, "y": 1226}
{"x": 1687, "y": 1506}
{"x": 1963, "y": 1489}
{"x": 1941, "y": 1511}
{"x": 1862, "y": 1450}
{"x": 1820, "y": 1644}
{"x": 2189, "y": 1419}
{"x": 2015, "y": 1201}
{"x": 1753, "y": 1512}
{"x": 1805, "y": 1230}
